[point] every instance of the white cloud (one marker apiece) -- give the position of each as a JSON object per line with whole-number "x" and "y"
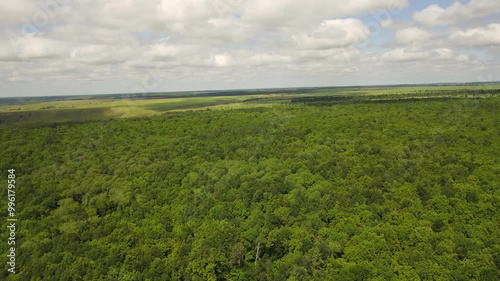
{"x": 144, "y": 15}
{"x": 16, "y": 76}
{"x": 243, "y": 58}
{"x": 436, "y": 15}
{"x": 266, "y": 59}
{"x": 223, "y": 60}
{"x": 7, "y": 52}
{"x": 482, "y": 36}
{"x": 163, "y": 51}
{"x": 17, "y": 12}
{"x": 217, "y": 29}
{"x": 387, "y": 23}
{"x": 444, "y": 53}
{"x": 101, "y": 54}
{"x": 412, "y": 35}
{"x": 80, "y": 34}
{"x": 334, "y": 34}
{"x": 298, "y": 12}
{"x": 405, "y": 55}
{"x": 30, "y": 48}
{"x": 436, "y": 56}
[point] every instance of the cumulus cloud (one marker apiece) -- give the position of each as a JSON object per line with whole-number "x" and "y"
{"x": 293, "y": 12}
{"x": 144, "y": 15}
{"x": 32, "y": 48}
{"x": 333, "y": 34}
{"x": 267, "y": 59}
{"x": 482, "y": 36}
{"x": 387, "y": 23}
{"x": 17, "y": 12}
{"x": 405, "y": 55}
{"x": 217, "y": 29}
{"x": 445, "y": 53}
{"x": 412, "y": 35}
{"x": 7, "y": 53}
{"x": 101, "y": 54}
{"x": 159, "y": 51}
{"x": 436, "y": 15}
{"x": 248, "y": 59}
{"x": 436, "y": 56}
{"x": 223, "y": 60}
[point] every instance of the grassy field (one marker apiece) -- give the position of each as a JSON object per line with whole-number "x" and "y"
{"x": 66, "y": 110}
{"x": 82, "y": 110}
{"x": 409, "y": 90}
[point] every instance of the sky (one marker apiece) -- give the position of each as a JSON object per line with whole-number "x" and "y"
{"x": 75, "y": 47}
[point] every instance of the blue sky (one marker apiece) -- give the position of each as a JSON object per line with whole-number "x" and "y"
{"x": 62, "y": 47}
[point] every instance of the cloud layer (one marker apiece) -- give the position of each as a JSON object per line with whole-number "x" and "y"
{"x": 457, "y": 12}
{"x": 103, "y": 46}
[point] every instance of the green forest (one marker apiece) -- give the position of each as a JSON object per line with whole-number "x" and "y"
{"x": 387, "y": 190}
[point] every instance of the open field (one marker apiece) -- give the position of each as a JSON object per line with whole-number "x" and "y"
{"x": 123, "y": 106}
{"x": 82, "y": 110}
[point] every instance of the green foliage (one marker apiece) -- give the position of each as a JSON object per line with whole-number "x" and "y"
{"x": 363, "y": 191}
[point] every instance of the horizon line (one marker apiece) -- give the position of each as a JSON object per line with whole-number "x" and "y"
{"x": 258, "y": 89}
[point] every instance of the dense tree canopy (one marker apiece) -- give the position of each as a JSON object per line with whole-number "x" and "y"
{"x": 369, "y": 191}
